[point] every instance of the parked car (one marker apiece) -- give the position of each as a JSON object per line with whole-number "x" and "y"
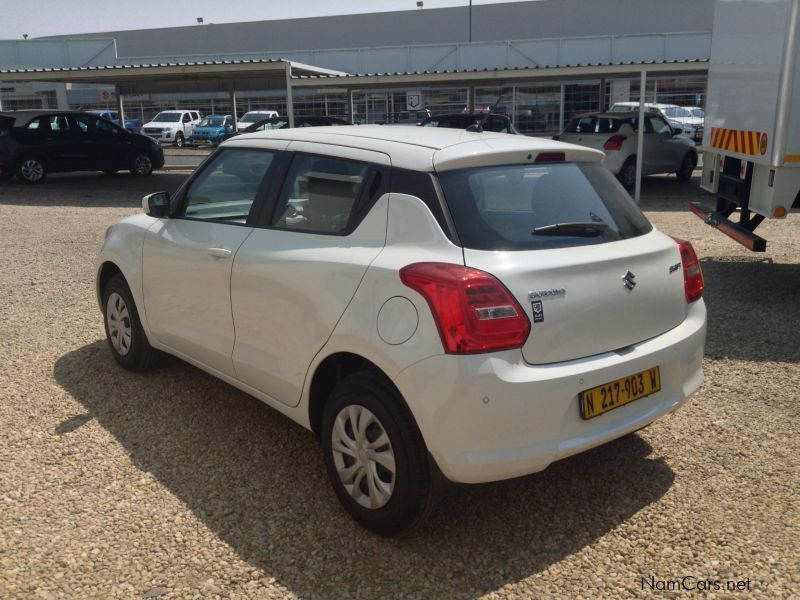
{"x": 212, "y": 130}
{"x": 254, "y": 116}
{"x": 405, "y": 117}
{"x": 175, "y": 126}
{"x": 492, "y": 122}
{"x": 283, "y": 123}
{"x": 677, "y": 116}
{"x": 665, "y": 149}
{"x": 131, "y": 125}
{"x": 433, "y": 304}
{"x": 35, "y": 143}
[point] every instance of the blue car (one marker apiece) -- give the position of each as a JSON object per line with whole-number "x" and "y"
{"x": 132, "y": 125}
{"x": 212, "y": 130}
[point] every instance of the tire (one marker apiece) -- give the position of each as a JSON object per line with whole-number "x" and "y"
{"x": 31, "y": 170}
{"x": 627, "y": 174}
{"x": 141, "y": 165}
{"x": 110, "y": 171}
{"x": 179, "y": 140}
{"x": 386, "y": 503}
{"x": 124, "y": 332}
{"x": 689, "y": 162}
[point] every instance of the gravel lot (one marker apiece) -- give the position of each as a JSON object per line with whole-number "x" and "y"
{"x": 173, "y": 484}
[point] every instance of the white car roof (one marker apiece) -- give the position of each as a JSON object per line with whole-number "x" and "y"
{"x": 424, "y": 148}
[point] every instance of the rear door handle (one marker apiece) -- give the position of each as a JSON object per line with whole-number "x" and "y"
{"x": 220, "y": 252}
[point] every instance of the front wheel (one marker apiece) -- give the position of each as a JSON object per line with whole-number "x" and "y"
{"x": 124, "y": 331}
{"x": 684, "y": 172}
{"x": 375, "y": 456}
{"x": 142, "y": 165}
{"x": 179, "y": 140}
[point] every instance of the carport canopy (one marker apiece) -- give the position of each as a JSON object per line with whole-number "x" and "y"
{"x": 217, "y": 76}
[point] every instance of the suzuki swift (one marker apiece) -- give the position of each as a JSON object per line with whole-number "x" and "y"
{"x": 434, "y": 304}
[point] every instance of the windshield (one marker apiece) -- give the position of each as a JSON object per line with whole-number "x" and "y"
{"x": 677, "y": 112}
{"x": 253, "y": 117}
{"x": 212, "y": 122}
{"x": 165, "y": 117}
{"x": 514, "y": 207}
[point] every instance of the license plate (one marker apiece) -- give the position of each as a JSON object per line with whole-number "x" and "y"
{"x": 606, "y": 397}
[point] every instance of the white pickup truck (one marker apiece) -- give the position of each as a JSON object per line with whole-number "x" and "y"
{"x": 752, "y": 123}
{"x": 175, "y": 126}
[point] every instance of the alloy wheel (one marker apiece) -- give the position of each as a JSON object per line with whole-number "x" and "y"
{"x": 32, "y": 170}
{"x": 142, "y": 164}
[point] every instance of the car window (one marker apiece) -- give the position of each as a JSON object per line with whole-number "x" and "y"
{"x": 227, "y": 187}
{"x": 186, "y": 118}
{"x": 498, "y": 208}
{"x": 659, "y": 125}
{"x": 82, "y": 124}
{"x": 320, "y": 194}
{"x": 591, "y": 124}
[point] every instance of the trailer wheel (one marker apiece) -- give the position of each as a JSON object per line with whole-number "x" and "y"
{"x": 689, "y": 162}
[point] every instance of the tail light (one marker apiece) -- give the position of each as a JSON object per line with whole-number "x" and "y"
{"x": 473, "y": 311}
{"x": 692, "y": 274}
{"x": 614, "y": 142}
{"x": 556, "y": 137}
{"x": 550, "y": 157}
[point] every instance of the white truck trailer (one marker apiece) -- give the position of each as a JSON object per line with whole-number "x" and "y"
{"x": 751, "y": 141}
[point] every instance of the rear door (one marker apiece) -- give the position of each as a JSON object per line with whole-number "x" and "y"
{"x": 188, "y": 258}
{"x": 589, "y": 289}
{"x": 297, "y": 272}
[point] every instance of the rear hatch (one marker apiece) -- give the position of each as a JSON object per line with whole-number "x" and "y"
{"x": 567, "y": 241}
{"x": 592, "y": 131}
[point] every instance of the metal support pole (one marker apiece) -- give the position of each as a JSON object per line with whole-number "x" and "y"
{"x": 120, "y": 108}
{"x": 640, "y": 139}
{"x": 289, "y": 100}
{"x": 471, "y": 99}
{"x": 352, "y": 109}
{"x": 1, "y": 99}
{"x": 233, "y": 110}
{"x": 470, "y": 21}
{"x": 561, "y": 111}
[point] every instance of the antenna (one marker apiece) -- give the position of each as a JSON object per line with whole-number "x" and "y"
{"x": 478, "y": 127}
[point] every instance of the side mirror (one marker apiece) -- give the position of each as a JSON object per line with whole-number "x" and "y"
{"x": 677, "y": 131}
{"x": 156, "y": 204}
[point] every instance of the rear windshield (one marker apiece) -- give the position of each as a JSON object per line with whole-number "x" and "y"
{"x": 595, "y": 125}
{"x": 532, "y": 207}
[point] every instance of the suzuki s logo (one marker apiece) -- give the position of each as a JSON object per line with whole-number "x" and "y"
{"x": 629, "y": 280}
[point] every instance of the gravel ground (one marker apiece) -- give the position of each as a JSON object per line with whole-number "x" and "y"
{"x": 172, "y": 484}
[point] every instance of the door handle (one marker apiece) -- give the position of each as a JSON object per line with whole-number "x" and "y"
{"x": 220, "y": 252}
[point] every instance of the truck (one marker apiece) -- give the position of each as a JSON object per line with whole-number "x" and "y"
{"x": 132, "y": 125}
{"x": 751, "y": 142}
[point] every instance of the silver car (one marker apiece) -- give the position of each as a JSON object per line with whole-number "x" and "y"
{"x": 665, "y": 149}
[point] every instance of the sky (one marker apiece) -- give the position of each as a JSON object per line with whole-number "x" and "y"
{"x": 63, "y": 17}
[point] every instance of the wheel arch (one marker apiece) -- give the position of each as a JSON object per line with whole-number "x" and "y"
{"x": 333, "y": 369}
{"x": 107, "y": 271}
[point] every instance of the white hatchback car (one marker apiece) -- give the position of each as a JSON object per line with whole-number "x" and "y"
{"x": 435, "y": 304}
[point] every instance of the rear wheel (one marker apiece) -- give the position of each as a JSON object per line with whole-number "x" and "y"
{"x": 627, "y": 174}
{"x": 124, "y": 331}
{"x": 31, "y": 170}
{"x": 179, "y": 140}
{"x": 375, "y": 456}
{"x": 142, "y": 165}
{"x": 684, "y": 172}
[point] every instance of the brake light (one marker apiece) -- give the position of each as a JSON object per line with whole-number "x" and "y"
{"x": 692, "y": 274}
{"x": 614, "y": 142}
{"x": 473, "y": 311}
{"x": 550, "y": 157}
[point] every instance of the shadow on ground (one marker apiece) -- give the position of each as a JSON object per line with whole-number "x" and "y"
{"x": 257, "y": 481}
{"x": 89, "y": 189}
{"x": 733, "y": 286}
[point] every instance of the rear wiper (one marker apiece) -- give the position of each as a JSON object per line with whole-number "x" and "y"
{"x": 583, "y": 229}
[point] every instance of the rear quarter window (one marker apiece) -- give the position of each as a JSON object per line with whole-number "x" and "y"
{"x": 594, "y": 125}
{"x": 499, "y": 208}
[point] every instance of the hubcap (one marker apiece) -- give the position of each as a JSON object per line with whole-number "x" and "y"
{"x": 119, "y": 324}
{"x": 142, "y": 164}
{"x": 363, "y": 456}
{"x": 32, "y": 170}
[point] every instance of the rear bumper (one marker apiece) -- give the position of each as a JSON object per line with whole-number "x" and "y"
{"x": 493, "y": 416}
